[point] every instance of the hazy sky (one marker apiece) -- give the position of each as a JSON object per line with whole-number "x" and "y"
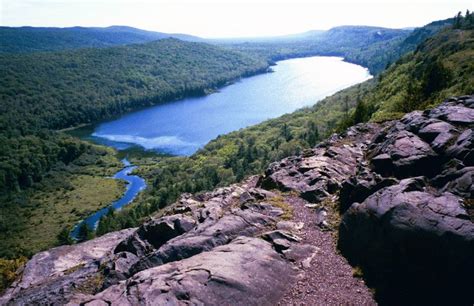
{"x": 228, "y": 18}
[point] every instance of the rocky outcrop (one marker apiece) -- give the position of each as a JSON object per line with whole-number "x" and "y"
{"x": 405, "y": 192}
{"x": 219, "y": 247}
{"x": 320, "y": 172}
{"x": 52, "y": 277}
{"x": 246, "y": 271}
{"x": 408, "y": 210}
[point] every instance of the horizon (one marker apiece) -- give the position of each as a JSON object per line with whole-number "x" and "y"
{"x": 224, "y": 19}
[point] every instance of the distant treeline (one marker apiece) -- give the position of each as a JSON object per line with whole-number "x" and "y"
{"x": 372, "y": 47}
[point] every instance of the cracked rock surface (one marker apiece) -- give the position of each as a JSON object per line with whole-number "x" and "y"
{"x": 408, "y": 218}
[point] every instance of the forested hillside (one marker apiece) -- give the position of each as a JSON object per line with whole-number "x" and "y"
{"x": 32, "y": 39}
{"x": 48, "y": 180}
{"x": 372, "y": 47}
{"x": 440, "y": 67}
{"x": 64, "y": 89}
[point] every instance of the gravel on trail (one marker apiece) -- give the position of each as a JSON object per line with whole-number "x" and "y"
{"x": 329, "y": 279}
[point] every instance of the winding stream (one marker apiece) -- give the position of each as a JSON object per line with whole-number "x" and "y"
{"x": 135, "y": 184}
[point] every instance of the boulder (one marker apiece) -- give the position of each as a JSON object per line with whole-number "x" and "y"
{"x": 403, "y": 154}
{"x": 413, "y": 242}
{"x": 463, "y": 148}
{"x": 246, "y": 271}
{"x": 53, "y": 276}
{"x": 320, "y": 172}
{"x": 156, "y": 232}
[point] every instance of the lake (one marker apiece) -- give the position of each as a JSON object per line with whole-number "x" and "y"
{"x": 182, "y": 127}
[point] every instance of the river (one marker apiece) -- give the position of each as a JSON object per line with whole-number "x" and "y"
{"x": 135, "y": 184}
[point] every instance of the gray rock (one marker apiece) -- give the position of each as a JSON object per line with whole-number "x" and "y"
{"x": 246, "y": 271}
{"x": 154, "y": 233}
{"x": 456, "y": 114}
{"x": 320, "y": 174}
{"x": 51, "y": 277}
{"x": 411, "y": 237}
{"x": 463, "y": 148}
{"x": 403, "y": 154}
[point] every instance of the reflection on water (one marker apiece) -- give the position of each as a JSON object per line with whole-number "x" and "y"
{"x": 184, "y": 126}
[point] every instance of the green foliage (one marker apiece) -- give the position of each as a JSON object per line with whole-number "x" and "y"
{"x": 33, "y": 39}
{"x": 46, "y": 91}
{"x": 372, "y": 47}
{"x": 232, "y": 157}
{"x": 64, "y": 236}
{"x": 85, "y": 233}
{"x": 368, "y": 46}
{"x": 441, "y": 67}
{"x": 47, "y": 86}
{"x": 38, "y": 217}
{"x": 63, "y": 89}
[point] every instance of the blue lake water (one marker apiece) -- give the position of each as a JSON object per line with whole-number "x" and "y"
{"x": 135, "y": 184}
{"x": 182, "y": 127}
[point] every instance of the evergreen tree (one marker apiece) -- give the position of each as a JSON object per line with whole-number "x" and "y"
{"x": 85, "y": 233}
{"x": 435, "y": 78}
{"x": 458, "y": 20}
{"x": 64, "y": 237}
{"x": 360, "y": 113}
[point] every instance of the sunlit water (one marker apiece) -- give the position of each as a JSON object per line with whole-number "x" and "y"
{"x": 184, "y": 126}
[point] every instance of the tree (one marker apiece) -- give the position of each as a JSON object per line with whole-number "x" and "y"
{"x": 312, "y": 134}
{"x": 285, "y": 132}
{"x": 85, "y": 233}
{"x": 64, "y": 236}
{"x": 360, "y": 113}
{"x": 435, "y": 78}
{"x": 457, "y": 20}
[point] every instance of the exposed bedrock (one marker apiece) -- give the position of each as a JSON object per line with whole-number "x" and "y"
{"x": 404, "y": 190}
{"x": 408, "y": 220}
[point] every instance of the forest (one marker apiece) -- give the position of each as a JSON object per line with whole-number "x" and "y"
{"x": 41, "y": 92}
{"x": 440, "y": 67}
{"x": 372, "y": 47}
{"x": 36, "y": 39}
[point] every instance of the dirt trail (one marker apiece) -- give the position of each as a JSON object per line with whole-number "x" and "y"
{"x": 329, "y": 279}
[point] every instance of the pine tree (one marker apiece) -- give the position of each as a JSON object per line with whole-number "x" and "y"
{"x": 64, "y": 237}
{"x": 360, "y": 113}
{"x": 85, "y": 233}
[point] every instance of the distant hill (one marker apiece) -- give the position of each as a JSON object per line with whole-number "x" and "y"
{"x": 364, "y": 45}
{"x": 372, "y": 47}
{"x": 31, "y": 39}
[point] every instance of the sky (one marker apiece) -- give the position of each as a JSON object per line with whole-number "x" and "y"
{"x": 228, "y": 18}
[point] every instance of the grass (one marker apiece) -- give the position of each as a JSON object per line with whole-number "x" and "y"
{"x": 60, "y": 208}
{"x": 9, "y": 271}
{"x": 357, "y": 272}
{"x": 279, "y": 201}
{"x": 62, "y": 199}
{"x": 92, "y": 284}
{"x": 74, "y": 269}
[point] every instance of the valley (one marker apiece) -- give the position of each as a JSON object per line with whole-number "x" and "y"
{"x": 237, "y": 155}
